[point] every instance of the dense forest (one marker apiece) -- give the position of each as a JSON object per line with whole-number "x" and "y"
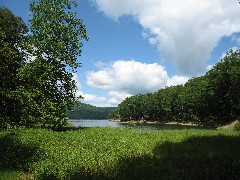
{"x": 86, "y": 111}
{"x": 212, "y": 99}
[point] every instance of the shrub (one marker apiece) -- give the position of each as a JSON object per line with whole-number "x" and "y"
{"x": 237, "y": 126}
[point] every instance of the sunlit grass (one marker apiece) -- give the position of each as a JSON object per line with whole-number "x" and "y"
{"x": 121, "y": 153}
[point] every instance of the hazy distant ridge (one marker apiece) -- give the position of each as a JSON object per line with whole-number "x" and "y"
{"x": 86, "y": 111}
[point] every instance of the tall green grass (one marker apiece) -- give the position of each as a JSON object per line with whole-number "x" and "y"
{"x": 112, "y": 153}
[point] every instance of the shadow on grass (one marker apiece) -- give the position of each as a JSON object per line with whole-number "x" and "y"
{"x": 216, "y": 157}
{"x": 70, "y": 128}
{"x": 16, "y": 155}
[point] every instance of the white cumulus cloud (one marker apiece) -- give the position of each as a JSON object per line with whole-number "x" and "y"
{"x": 185, "y": 31}
{"x": 117, "y": 97}
{"x": 176, "y": 80}
{"x": 95, "y": 100}
{"x": 125, "y": 78}
{"x": 112, "y": 100}
{"x": 130, "y": 77}
{"x": 122, "y": 79}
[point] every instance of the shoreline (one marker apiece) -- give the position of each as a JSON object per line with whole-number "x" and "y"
{"x": 154, "y": 122}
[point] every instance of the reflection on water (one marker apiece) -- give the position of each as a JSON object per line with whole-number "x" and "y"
{"x": 107, "y": 123}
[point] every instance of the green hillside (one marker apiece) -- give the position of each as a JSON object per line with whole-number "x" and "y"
{"x": 86, "y": 111}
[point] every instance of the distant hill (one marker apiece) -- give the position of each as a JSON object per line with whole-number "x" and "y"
{"x": 86, "y": 111}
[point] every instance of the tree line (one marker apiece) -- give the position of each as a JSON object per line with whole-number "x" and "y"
{"x": 37, "y": 64}
{"x": 87, "y": 111}
{"x": 212, "y": 99}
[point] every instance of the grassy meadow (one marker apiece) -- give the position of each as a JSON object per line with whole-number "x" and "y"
{"x": 119, "y": 153}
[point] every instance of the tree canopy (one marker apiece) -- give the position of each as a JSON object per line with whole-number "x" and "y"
{"x": 87, "y": 111}
{"x": 55, "y": 42}
{"x": 212, "y": 99}
{"x": 39, "y": 66}
{"x": 13, "y": 32}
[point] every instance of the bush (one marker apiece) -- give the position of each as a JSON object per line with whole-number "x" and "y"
{"x": 237, "y": 126}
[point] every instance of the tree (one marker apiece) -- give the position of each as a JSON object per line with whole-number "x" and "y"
{"x": 114, "y": 114}
{"x": 47, "y": 81}
{"x": 210, "y": 100}
{"x": 87, "y": 111}
{"x": 195, "y": 99}
{"x": 13, "y": 33}
{"x": 224, "y": 88}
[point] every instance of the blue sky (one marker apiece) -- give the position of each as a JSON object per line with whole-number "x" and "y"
{"x": 141, "y": 46}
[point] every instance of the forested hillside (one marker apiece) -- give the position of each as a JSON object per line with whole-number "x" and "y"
{"x": 212, "y": 99}
{"x": 86, "y": 111}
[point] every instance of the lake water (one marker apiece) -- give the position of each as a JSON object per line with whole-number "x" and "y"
{"x": 107, "y": 123}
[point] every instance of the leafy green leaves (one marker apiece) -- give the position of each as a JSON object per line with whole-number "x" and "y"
{"x": 57, "y": 33}
{"x": 47, "y": 82}
{"x": 37, "y": 69}
{"x": 13, "y": 33}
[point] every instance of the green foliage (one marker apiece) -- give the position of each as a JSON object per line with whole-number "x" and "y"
{"x": 114, "y": 114}
{"x": 13, "y": 33}
{"x": 112, "y": 153}
{"x": 131, "y": 108}
{"x": 211, "y": 100}
{"x": 47, "y": 85}
{"x": 14, "y": 175}
{"x": 224, "y": 87}
{"x": 86, "y": 111}
{"x": 237, "y": 126}
{"x": 18, "y": 153}
{"x": 40, "y": 88}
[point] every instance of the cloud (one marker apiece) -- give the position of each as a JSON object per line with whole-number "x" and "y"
{"x": 100, "y": 64}
{"x": 123, "y": 79}
{"x": 236, "y": 38}
{"x": 209, "y": 67}
{"x": 95, "y": 100}
{"x": 89, "y": 98}
{"x": 127, "y": 78}
{"x": 117, "y": 97}
{"x": 130, "y": 77}
{"x": 176, "y": 80}
{"x": 78, "y": 84}
{"x": 112, "y": 100}
{"x": 185, "y": 32}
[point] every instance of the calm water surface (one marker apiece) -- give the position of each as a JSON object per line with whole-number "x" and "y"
{"x": 107, "y": 123}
